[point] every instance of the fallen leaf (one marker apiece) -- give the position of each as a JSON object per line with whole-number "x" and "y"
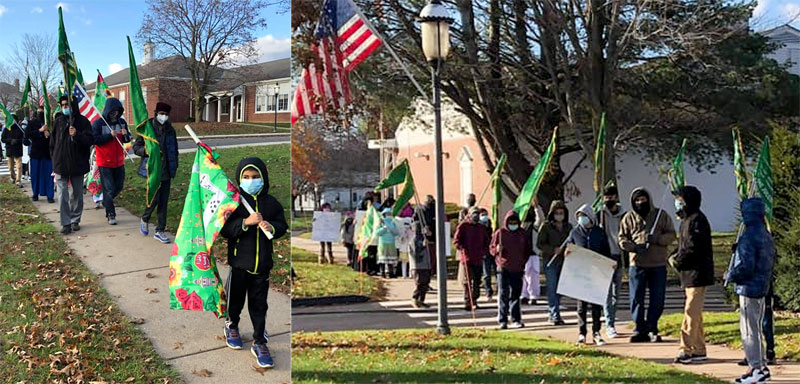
{"x": 219, "y": 337}
{"x": 150, "y": 275}
{"x": 202, "y": 372}
{"x": 151, "y": 290}
{"x": 260, "y": 370}
{"x": 178, "y": 345}
{"x": 137, "y": 321}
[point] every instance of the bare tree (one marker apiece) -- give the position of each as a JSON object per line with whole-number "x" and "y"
{"x": 9, "y": 94}
{"x": 36, "y": 57}
{"x": 208, "y": 35}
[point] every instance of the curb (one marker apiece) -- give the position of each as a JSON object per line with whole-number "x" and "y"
{"x": 242, "y": 136}
{"x": 328, "y": 300}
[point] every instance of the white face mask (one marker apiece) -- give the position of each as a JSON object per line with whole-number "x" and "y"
{"x": 162, "y": 118}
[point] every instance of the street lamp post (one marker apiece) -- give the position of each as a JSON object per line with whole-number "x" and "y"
{"x": 435, "y": 30}
{"x": 276, "y": 90}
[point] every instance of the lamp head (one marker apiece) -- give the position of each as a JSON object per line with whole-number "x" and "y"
{"x": 435, "y": 31}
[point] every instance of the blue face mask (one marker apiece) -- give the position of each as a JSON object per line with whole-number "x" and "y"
{"x": 65, "y": 111}
{"x": 513, "y": 227}
{"x": 251, "y": 186}
{"x": 583, "y": 221}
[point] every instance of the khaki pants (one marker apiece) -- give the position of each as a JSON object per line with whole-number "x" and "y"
{"x": 15, "y": 169}
{"x": 692, "y": 336}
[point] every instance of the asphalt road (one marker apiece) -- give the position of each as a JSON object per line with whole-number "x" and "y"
{"x": 234, "y": 142}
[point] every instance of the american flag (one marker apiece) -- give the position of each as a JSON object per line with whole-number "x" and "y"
{"x": 41, "y": 100}
{"x": 85, "y": 105}
{"x": 344, "y": 40}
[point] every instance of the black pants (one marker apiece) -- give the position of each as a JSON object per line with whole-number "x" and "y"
{"x": 243, "y": 284}
{"x": 351, "y": 252}
{"x": 160, "y": 201}
{"x": 509, "y": 289}
{"x": 371, "y": 262}
{"x": 422, "y": 278}
{"x": 112, "y": 180}
{"x": 596, "y": 311}
{"x": 472, "y": 283}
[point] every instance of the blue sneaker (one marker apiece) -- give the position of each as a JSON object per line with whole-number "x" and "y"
{"x": 263, "y": 358}
{"x": 160, "y": 236}
{"x": 232, "y": 338}
{"x": 144, "y": 228}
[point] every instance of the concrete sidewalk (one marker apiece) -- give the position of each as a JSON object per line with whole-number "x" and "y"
{"x": 131, "y": 266}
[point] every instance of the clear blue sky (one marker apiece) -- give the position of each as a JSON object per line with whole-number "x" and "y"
{"x": 97, "y": 29}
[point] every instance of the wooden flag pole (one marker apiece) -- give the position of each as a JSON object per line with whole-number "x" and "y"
{"x": 241, "y": 200}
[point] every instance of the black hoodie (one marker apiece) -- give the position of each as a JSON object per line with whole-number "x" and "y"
{"x": 694, "y": 258}
{"x": 250, "y": 249}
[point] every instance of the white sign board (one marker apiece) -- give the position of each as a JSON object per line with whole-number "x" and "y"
{"x": 357, "y": 223}
{"x": 325, "y": 226}
{"x": 449, "y": 242}
{"x": 586, "y": 275}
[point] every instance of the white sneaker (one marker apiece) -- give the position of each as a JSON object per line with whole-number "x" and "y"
{"x": 757, "y": 375}
{"x": 581, "y": 339}
{"x": 517, "y": 325}
{"x": 611, "y": 332}
{"x": 598, "y": 340}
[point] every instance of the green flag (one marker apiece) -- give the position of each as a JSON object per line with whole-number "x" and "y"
{"x": 763, "y": 177}
{"x": 25, "y": 102}
{"x": 369, "y": 224}
{"x": 80, "y": 74}
{"x": 676, "y": 175}
{"x": 48, "y": 110}
{"x": 600, "y": 156}
{"x": 100, "y": 91}
{"x": 523, "y": 203}
{"x": 400, "y": 174}
{"x": 8, "y": 118}
{"x": 65, "y": 55}
{"x": 739, "y": 168}
{"x": 497, "y": 189}
{"x": 194, "y": 281}
{"x": 144, "y": 128}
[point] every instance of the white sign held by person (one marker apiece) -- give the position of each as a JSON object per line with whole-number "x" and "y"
{"x": 586, "y": 275}
{"x": 449, "y": 243}
{"x": 406, "y": 233}
{"x": 325, "y": 226}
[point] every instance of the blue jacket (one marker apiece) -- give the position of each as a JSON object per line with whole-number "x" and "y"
{"x": 167, "y": 139}
{"x": 593, "y": 239}
{"x": 754, "y": 259}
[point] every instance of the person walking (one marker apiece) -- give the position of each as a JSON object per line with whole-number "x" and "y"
{"x": 552, "y": 235}
{"x": 325, "y": 207}
{"x": 472, "y": 242}
{"x": 387, "y": 248}
{"x": 587, "y": 234}
{"x": 168, "y": 145}
{"x": 12, "y": 137}
{"x": 420, "y": 263}
{"x": 429, "y": 214}
{"x": 70, "y": 143}
{"x": 348, "y": 233}
{"x": 609, "y": 219}
{"x": 41, "y": 166}
{"x": 751, "y": 272}
{"x": 463, "y": 214}
{"x": 645, "y": 233}
{"x": 694, "y": 261}
{"x": 511, "y": 248}
{"x": 109, "y": 132}
{"x": 531, "y": 284}
{"x": 489, "y": 266}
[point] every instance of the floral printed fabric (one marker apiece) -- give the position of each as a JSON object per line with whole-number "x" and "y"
{"x": 194, "y": 282}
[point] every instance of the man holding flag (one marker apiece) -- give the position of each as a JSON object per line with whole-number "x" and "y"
{"x": 109, "y": 134}
{"x": 12, "y": 137}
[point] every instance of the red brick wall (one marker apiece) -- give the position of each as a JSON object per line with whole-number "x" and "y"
{"x": 250, "y": 109}
{"x": 176, "y": 93}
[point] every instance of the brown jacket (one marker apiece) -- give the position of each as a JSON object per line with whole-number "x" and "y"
{"x": 550, "y": 237}
{"x": 634, "y": 229}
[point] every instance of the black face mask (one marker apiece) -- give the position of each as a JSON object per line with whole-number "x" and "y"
{"x": 642, "y": 208}
{"x": 40, "y": 116}
{"x": 611, "y": 204}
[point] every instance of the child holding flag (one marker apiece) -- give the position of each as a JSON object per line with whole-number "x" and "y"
{"x": 250, "y": 256}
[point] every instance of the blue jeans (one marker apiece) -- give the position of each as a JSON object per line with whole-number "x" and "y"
{"x": 489, "y": 269}
{"x": 610, "y": 309}
{"x": 112, "y": 180}
{"x": 509, "y": 289}
{"x": 552, "y": 273}
{"x": 653, "y": 279}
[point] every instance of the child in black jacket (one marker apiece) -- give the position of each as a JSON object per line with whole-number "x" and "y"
{"x": 250, "y": 256}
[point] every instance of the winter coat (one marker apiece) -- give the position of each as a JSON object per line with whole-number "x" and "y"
{"x": 516, "y": 246}
{"x": 12, "y": 137}
{"x": 419, "y": 256}
{"x": 539, "y": 219}
{"x": 610, "y": 222}
{"x": 348, "y": 232}
{"x": 168, "y": 142}
{"x": 694, "y": 258}
{"x": 594, "y": 238}
{"x": 472, "y": 242}
{"x": 754, "y": 259}
{"x": 248, "y": 247}
{"x": 550, "y": 237}
{"x": 40, "y": 145}
{"x": 634, "y": 230}
{"x": 429, "y": 213}
{"x": 386, "y": 233}
{"x": 71, "y": 154}
{"x": 109, "y": 152}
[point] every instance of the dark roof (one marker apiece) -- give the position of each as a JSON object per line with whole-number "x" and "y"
{"x": 9, "y": 89}
{"x": 232, "y": 78}
{"x": 172, "y": 67}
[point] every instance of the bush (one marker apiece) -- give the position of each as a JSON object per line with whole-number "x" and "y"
{"x": 786, "y": 215}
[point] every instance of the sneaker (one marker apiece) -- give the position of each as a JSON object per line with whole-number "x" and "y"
{"x": 98, "y": 204}
{"x": 532, "y": 302}
{"x": 771, "y": 358}
{"x": 742, "y": 362}
{"x": 263, "y": 358}
{"x": 683, "y": 358}
{"x": 51, "y": 201}
{"x": 232, "y": 338}
{"x": 560, "y": 322}
{"x": 112, "y": 220}
{"x": 611, "y": 332}
{"x": 503, "y": 326}
{"x": 422, "y": 303}
{"x": 581, "y": 339}
{"x": 699, "y": 357}
{"x": 551, "y": 321}
{"x": 755, "y": 375}
{"x": 160, "y": 236}
{"x": 639, "y": 338}
{"x": 144, "y": 227}
{"x": 76, "y": 227}
{"x": 415, "y": 304}
{"x": 654, "y": 337}
{"x": 517, "y": 325}
{"x": 523, "y": 301}
{"x": 35, "y": 198}
{"x": 598, "y": 340}
{"x": 66, "y": 230}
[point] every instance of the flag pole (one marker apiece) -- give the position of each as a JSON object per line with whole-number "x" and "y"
{"x": 389, "y": 47}
{"x": 241, "y": 199}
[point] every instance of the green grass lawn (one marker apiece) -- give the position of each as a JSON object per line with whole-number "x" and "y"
{"x": 277, "y": 159}
{"x": 206, "y": 128}
{"x": 315, "y": 280}
{"x": 723, "y": 328}
{"x": 302, "y": 222}
{"x": 57, "y": 323}
{"x": 721, "y": 241}
{"x": 466, "y": 356}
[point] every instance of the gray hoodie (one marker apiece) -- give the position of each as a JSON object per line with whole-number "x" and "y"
{"x": 610, "y": 222}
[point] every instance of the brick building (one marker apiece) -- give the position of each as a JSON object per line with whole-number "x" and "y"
{"x": 244, "y": 94}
